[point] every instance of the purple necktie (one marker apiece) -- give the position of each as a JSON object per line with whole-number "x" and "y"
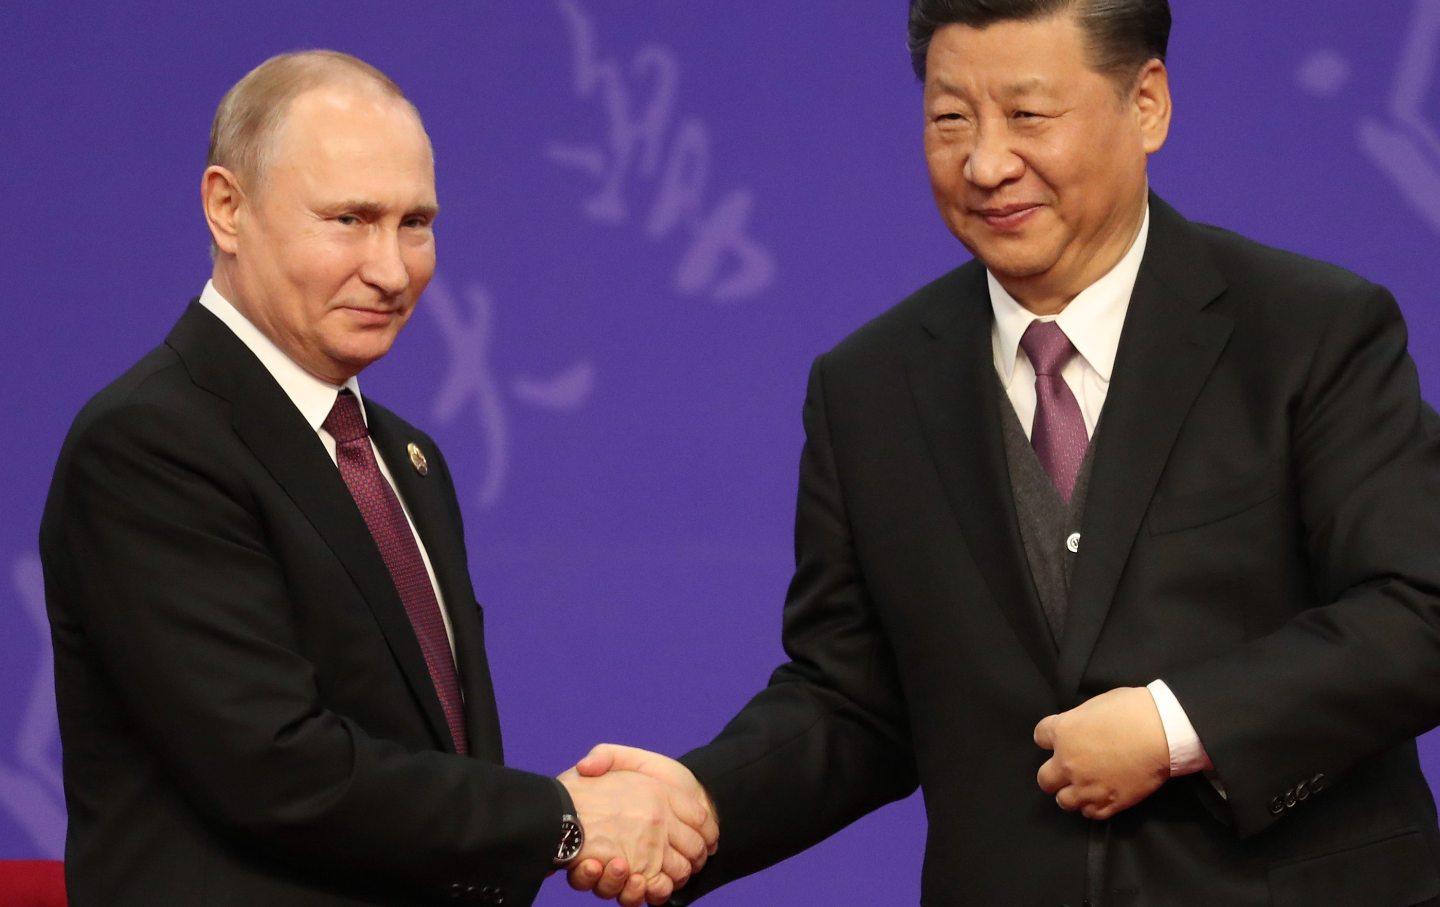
{"x": 1058, "y": 435}
{"x": 391, "y": 531}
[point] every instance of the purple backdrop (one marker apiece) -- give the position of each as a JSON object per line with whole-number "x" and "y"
{"x": 655, "y": 215}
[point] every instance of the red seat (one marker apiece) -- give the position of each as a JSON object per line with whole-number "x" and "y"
{"x": 32, "y": 883}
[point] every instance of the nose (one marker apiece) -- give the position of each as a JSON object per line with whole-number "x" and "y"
{"x": 992, "y": 162}
{"x": 384, "y": 266}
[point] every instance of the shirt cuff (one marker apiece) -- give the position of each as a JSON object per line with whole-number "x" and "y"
{"x": 1187, "y": 753}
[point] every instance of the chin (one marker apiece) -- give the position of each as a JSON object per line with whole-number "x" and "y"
{"x": 355, "y": 359}
{"x": 1013, "y": 267}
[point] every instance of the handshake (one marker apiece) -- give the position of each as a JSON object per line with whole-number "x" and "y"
{"x": 648, "y": 825}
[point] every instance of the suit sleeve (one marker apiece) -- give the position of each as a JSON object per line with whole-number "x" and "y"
{"x": 165, "y": 566}
{"x": 1359, "y": 673}
{"x": 827, "y": 741}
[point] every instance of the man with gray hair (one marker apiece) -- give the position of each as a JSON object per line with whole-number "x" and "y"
{"x": 1120, "y": 541}
{"x": 270, "y": 665}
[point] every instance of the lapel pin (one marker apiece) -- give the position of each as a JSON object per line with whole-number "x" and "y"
{"x": 417, "y": 459}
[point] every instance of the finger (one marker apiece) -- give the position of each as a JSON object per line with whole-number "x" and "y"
{"x": 1051, "y": 777}
{"x": 1068, "y": 799}
{"x": 660, "y": 889}
{"x": 613, "y": 881}
{"x": 688, "y": 841}
{"x": 710, "y": 831}
{"x": 1045, "y": 732}
{"x": 634, "y": 893}
{"x": 695, "y": 811}
{"x": 618, "y": 758}
{"x": 675, "y": 865}
{"x": 598, "y": 761}
{"x": 687, "y": 808}
{"x": 584, "y": 875}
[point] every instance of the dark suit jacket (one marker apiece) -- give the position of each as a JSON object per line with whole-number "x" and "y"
{"x": 1262, "y": 532}
{"x": 245, "y": 712}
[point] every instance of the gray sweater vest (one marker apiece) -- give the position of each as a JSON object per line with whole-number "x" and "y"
{"x": 1049, "y": 529}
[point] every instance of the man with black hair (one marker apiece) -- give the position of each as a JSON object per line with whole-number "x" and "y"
{"x": 1119, "y": 541}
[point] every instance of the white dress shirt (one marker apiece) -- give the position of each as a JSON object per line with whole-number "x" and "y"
{"x": 314, "y": 399}
{"x": 1093, "y": 321}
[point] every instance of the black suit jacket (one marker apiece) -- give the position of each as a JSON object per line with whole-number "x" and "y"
{"x": 1261, "y": 532}
{"x": 245, "y": 712}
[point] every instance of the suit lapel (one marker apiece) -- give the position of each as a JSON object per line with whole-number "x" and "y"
{"x": 430, "y": 500}
{"x": 1168, "y": 348}
{"x": 952, "y": 378}
{"x": 268, "y": 423}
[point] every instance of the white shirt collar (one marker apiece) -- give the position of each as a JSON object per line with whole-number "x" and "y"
{"x": 313, "y": 397}
{"x": 1093, "y": 320}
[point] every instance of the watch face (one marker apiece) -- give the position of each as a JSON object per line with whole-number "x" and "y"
{"x": 572, "y": 838}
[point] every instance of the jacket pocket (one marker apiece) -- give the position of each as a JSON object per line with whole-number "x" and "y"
{"x": 1394, "y": 872}
{"x": 1186, "y": 511}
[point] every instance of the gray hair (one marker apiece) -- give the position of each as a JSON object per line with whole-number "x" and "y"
{"x": 254, "y": 109}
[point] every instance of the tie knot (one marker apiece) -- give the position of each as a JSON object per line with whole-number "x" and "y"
{"x": 1047, "y": 347}
{"x": 345, "y": 424}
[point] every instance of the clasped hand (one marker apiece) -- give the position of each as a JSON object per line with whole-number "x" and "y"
{"x": 1109, "y": 753}
{"x": 648, "y": 825}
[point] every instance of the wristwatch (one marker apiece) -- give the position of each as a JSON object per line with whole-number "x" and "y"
{"x": 572, "y": 838}
{"x": 572, "y": 833}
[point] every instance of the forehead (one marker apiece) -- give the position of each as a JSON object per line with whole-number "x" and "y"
{"x": 343, "y": 128}
{"x": 1010, "y": 56}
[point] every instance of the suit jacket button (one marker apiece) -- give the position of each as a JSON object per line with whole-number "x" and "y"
{"x": 1317, "y": 783}
{"x": 1277, "y": 806}
{"x": 1302, "y": 791}
{"x": 1290, "y": 800}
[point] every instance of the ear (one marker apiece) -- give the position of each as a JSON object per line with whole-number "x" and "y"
{"x": 1152, "y": 105}
{"x": 222, "y": 200}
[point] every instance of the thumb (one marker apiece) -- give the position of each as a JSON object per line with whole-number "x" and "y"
{"x": 1045, "y": 733}
{"x": 605, "y": 757}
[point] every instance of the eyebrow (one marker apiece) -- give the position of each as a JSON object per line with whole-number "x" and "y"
{"x": 1032, "y": 85}
{"x": 372, "y": 210}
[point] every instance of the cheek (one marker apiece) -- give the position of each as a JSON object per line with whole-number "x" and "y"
{"x": 420, "y": 264}
{"x": 947, "y": 180}
{"x": 944, "y": 158}
{"x": 323, "y": 268}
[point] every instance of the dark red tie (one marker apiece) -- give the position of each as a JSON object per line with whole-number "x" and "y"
{"x": 391, "y": 531}
{"x": 1058, "y": 434}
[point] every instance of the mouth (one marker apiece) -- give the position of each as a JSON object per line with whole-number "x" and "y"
{"x": 1007, "y": 217}
{"x": 369, "y": 316}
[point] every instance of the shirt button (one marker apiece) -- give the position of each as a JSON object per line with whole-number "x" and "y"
{"x": 1073, "y": 542}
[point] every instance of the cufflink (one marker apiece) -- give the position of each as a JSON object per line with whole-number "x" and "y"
{"x": 417, "y": 459}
